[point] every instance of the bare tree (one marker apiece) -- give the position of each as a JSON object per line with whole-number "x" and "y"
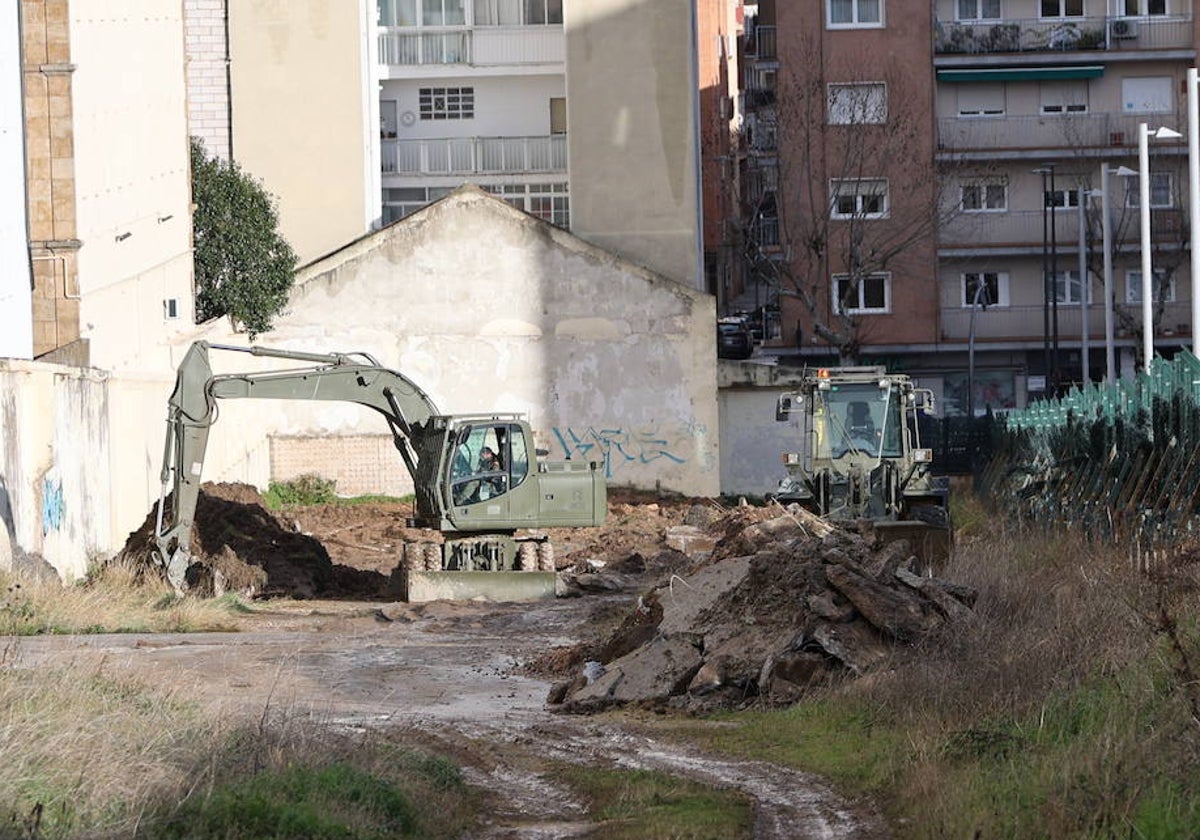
{"x": 856, "y": 194}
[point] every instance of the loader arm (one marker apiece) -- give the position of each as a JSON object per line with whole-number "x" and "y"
{"x": 192, "y": 410}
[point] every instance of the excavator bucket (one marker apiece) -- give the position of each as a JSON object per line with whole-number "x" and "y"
{"x": 421, "y": 587}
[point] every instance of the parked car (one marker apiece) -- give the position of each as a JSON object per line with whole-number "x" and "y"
{"x": 733, "y": 339}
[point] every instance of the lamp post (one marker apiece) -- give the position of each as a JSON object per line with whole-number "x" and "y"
{"x": 980, "y": 288}
{"x": 1144, "y": 134}
{"x": 1085, "y": 287}
{"x": 1044, "y": 171}
{"x": 1110, "y": 360}
{"x": 1194, "y": 197}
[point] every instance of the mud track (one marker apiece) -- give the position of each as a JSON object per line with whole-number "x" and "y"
{"x": 446, "y": 673}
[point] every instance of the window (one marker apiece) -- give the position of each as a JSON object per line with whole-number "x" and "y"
{"x": 443, "y": 12}
{"x": 870, "y": 295}
{"x": 859, "y": 199}
{"x": 1149, "y": 95}
{"x": 981, "y": 100}
{"x": 550, "y": 202}
{"x": 397, "y": 12}
{"x": 978, "y": 9}
{"x": 984, "y": 198}
{"x": 857, "y": 104}
{"x": 447, "y": 103}
{"x": 1061, "y": 199}
{"x": 1062, "y": 8}
{"x": 992, "y": 287}
{"x": 1134, "y": 8}
{"x": 558, "y": 115}
{"x": 1164, "y": 287}
{"x": 1066, "y": 287}
{"x": 498, "y": 12}
{"x": 1064, "y": 97}
{"x": 849, "y": 13}
{"x": 488, "y": 462}
{"x": 542, "y": 12}
{"x": 1160, "y": 191}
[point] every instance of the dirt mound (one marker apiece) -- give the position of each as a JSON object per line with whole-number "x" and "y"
{"x": 781, "y": 602}
{"x": 239, "y": 545}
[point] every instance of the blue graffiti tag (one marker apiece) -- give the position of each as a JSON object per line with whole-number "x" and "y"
{"x": 53, "y": 505}
{"x": 617, "y": 447}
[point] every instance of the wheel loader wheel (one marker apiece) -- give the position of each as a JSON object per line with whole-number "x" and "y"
{"x": 411, "y": 557}
{"x": 545, "y": 557}
{"x": 527, "y": 557}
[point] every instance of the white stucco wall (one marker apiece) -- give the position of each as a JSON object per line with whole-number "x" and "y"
{"x": 752, "y": 440}
{"x": 489, "y": 309}
{"x": 16, "y": 326}
{"x": 505, "y": 106}
{"x": 132, "y": 179}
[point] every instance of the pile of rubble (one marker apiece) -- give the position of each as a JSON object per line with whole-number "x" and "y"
{"x": 783, "y": 601}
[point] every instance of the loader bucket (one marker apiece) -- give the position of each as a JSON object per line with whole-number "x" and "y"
{"x": 930, "y": 543}
{"x": 421, "y": 587}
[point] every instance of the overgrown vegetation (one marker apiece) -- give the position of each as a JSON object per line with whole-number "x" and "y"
{"x": 115, "y": 598}
{"x": 89, "y": 755}
{"x": 244, "y": 267}
{"x": 312, "y": 489}
{"x": 1064, "y": 708}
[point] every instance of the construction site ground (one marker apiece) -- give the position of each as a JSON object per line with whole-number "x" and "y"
{"x": 327, "y": 643}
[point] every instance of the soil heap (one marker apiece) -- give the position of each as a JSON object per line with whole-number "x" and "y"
{"x": 783, "y": 601}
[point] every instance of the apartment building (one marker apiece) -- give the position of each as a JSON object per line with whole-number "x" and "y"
{"x": 1039, "y": 104}
{"x": 990, "y": 283}
{"x": 840, "y": 190}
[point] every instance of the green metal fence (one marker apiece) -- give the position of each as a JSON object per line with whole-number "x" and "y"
{"x": 1120, "y": 461}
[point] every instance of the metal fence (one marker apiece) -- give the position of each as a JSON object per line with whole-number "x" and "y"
{"x": 1120, "y": 462}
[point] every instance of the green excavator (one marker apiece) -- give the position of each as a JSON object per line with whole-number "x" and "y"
{"x": 484, "y": 516}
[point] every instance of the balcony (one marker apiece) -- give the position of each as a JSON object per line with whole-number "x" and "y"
{"x": 505, "y": 46}
{"x": 761, "y": 43}
{"x": 475, "y": 155}
{"x": 1023, "y": 229}
{"x": 1051, "y": 131}
{"x": 1027, "y": 323}
{"x": 1069, "y": 35}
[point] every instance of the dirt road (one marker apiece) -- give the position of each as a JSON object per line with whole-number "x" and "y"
{"x": 448, "y": 671}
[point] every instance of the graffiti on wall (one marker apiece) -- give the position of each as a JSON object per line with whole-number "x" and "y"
{"x": 617, "y": 448}
{"x": 53, "y": 504}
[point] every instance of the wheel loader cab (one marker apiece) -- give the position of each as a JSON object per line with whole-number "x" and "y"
{"x": 857, "y": 419}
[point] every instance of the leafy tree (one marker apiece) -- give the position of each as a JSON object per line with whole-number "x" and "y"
{"x": 244, "y": 268}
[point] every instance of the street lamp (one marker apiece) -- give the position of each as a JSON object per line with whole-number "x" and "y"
{"x": 980, "y": 288}
{"x": 1050, "y": 362}
{"x": 1144, "y": 135}
{"x": 1110, "y": 360}
{"x": 1194, "y": 197}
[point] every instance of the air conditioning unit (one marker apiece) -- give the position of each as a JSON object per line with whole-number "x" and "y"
{"x": 1123, "y": 28}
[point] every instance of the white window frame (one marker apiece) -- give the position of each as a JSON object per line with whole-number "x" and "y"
{"x": 856, "y": 103}
{"x": 987, "y": 197}
{"x": 981, "y": 10}
{"x": 1133, "y": 8}
{"x": 1133, "y": 195}
{"x": 456, "y": 103}
{"x": 1066, "y": 285}
{"x": 1062, "y": 198}
{"x": 854, "y": 188}
{"x": 1063, "y": 12}
{"x": 884, "y": 277}
{"x": 857, "y": 22}
{"x": 1133, "y": 293}
{"x": 997, "y": 280}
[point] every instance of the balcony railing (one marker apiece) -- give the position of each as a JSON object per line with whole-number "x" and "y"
{"x": 475, "y": 155}
{"x": 1026, "y": 323}
{"x": 1024, "y": 228}
{"x": 760, "y": 43}
{"x": 481, "y": 47}
{"x": 1065, "y": 35}
{"x": 1048, "y": 131}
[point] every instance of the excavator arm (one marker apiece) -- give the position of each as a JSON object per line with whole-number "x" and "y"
{"x": 192, "y": 410}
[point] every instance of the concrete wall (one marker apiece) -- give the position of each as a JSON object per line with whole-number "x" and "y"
{"x": 752, "y": 440}
{"x": 16, "y": 301}
{"x": 632, "y": 116}
{"x": 489, "y": 309}
{"x": 132, "y": 179}
{"x": 305, "y": 116}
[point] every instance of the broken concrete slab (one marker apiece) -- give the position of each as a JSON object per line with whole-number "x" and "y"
{"x": 895, "y": 611}
{"x": 685, "y": 599}
{"x": 657, "y": 670}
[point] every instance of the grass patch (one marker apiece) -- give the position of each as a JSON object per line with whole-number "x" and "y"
{"x": 90, "y": 755}
{"x": 308, "y": 489}
{"x": 646, "y": 805}
{"x": 113, "y": 599}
